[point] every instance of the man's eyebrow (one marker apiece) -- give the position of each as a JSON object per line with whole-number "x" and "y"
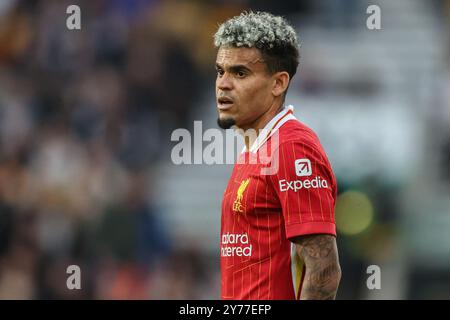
{"x": 234, "y": 68}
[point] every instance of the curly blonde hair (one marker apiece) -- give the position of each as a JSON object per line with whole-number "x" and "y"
{"x": 272, "y": 35}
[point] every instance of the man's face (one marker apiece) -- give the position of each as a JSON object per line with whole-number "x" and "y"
{"x": 243, "y": 87}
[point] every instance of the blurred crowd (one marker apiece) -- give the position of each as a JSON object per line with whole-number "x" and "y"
{"x": 83, "y": 119}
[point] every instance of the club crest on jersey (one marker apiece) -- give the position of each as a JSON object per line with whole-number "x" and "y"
{"x": 237, "y": 204}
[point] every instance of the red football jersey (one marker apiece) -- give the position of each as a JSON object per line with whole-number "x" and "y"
{"x": 262, "y": 210}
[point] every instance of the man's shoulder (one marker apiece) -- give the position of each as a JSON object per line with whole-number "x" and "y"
{"x": 295, "y": 131}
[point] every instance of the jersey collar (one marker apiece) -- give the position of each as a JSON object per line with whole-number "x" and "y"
{"x": 271, "y": 127}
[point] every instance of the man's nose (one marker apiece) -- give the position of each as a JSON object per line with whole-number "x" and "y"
{"x": 224, "y": 82}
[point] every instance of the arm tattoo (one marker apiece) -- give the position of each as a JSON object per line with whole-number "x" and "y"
{"x": 322, "y": 270}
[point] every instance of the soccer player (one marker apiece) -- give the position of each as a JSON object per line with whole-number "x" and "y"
{"x": 278, "y": 234}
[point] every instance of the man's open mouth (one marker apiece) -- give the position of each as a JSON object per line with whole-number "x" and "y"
{"x": 224, "y": 103}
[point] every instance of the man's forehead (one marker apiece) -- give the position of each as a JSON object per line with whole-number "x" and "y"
{"x": 238, "y": 56}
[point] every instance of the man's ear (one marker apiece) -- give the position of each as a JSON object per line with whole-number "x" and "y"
{"x": 281, "y": 83}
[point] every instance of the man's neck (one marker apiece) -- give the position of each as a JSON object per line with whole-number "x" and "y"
{"x": 260, "y": 123}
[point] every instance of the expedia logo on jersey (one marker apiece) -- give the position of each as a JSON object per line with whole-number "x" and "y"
{"x": 303, "y": 168}
{"x": 237, "y": 204}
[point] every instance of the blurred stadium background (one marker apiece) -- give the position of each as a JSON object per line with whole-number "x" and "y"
{"x": 86, "y": 117}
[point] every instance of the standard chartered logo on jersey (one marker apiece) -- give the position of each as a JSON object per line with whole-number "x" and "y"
{"x": 235, "y": 244}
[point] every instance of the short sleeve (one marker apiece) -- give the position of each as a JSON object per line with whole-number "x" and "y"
{"x": 306, "y": 188}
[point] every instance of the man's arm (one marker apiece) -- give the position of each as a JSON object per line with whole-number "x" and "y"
{"x": 323, "y": 273}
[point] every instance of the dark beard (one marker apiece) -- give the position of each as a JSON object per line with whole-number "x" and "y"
{"x": 226, "y": 123}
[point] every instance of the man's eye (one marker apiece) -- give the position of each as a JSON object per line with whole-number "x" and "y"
{"x": 220, "y": 72}
{"x": 241, "y": 74}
